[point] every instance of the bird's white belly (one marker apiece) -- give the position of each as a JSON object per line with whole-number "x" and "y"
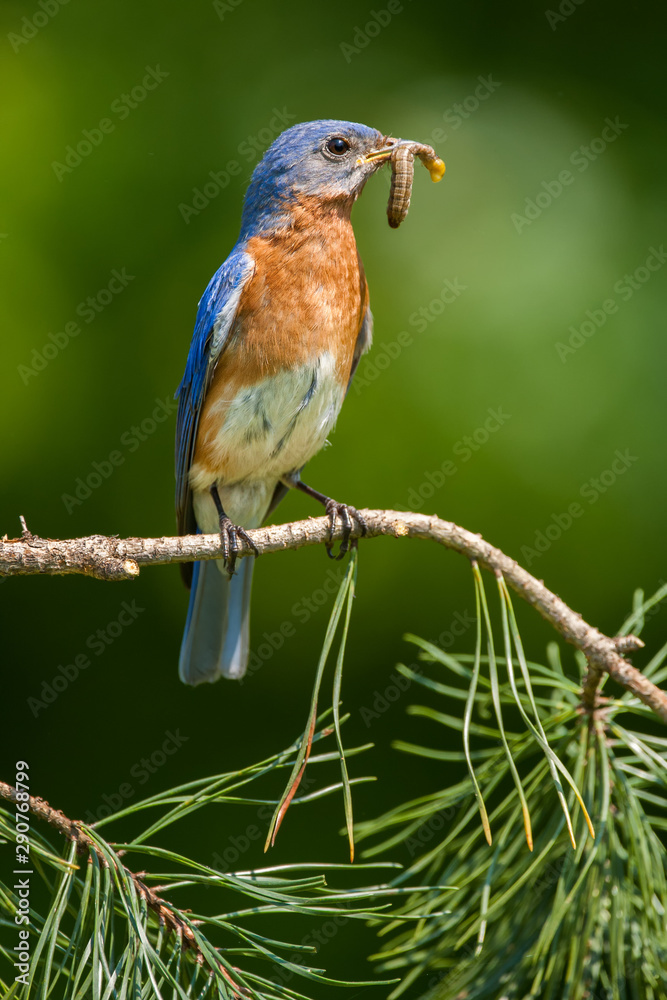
{"x": 275, "y": 426}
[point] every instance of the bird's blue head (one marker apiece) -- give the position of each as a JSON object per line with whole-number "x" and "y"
{"x": 327, "y": 160}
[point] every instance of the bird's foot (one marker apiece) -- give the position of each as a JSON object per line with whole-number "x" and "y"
{"x": 346, "y": 513}
{"x": 229, "y": 536}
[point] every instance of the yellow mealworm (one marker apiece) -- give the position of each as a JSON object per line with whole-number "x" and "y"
{"x": 430, "y": 159}
{"x": 402, "y": 172}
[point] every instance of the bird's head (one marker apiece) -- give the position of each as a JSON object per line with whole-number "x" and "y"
{"x": 328, "y": 160}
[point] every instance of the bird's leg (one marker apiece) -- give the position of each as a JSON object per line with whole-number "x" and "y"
{"x": 229, "y": 534}
{"x": 334, "y": 509}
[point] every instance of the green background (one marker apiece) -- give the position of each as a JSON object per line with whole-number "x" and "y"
{"x": 494, "y": 347}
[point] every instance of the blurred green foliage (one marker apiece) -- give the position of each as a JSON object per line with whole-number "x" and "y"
{"x": 545, "y": 88}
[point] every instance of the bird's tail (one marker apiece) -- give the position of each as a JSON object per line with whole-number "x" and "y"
{"x": 217, "y": 630}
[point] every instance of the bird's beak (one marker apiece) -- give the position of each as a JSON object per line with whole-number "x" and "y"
{"x": 382, "y": 153}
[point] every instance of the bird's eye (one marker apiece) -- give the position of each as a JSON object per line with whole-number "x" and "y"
{"x": 338, "y": 145}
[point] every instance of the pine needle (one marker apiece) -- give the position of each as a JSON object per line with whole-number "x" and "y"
{"x": 470, "y": 702}
{"x": 307, "y": 738}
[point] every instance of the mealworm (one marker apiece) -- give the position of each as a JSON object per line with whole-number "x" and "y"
{"x": 402, "y": 174}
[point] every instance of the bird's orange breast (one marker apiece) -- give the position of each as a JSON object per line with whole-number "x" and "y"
{"x": 306, "y": 300}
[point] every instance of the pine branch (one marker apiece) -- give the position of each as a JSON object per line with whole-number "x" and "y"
{"x": 107, "y": 558}
{"x": 73, "y": 830}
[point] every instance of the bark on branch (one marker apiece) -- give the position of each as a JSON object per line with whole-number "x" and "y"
{"x": 108, "y": 558}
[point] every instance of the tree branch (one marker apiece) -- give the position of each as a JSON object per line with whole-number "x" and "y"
{"x": 73, "y": 830}
{"x": 108, "y": 558}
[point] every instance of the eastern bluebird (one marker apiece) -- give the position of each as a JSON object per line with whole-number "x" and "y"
{"x": 278, "y": 335}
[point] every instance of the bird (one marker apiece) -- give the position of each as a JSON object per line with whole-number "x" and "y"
{"x": 279, "y": 332}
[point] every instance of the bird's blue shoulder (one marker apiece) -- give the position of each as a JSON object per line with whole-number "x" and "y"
{"x": 216, "y": 310}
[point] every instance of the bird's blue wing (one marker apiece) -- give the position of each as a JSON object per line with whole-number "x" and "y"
{"x": 215, "y": 319}
{"x": 364, "y": 341}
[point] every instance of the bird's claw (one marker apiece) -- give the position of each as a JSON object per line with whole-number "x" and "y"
{"x": 346, "y": 513}
{"x": 229, "y": 536}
